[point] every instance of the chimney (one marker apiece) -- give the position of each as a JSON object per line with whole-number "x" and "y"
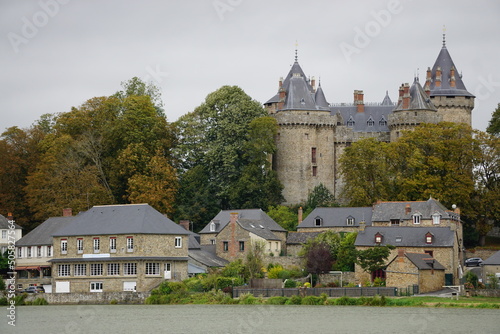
{"x": 68, "y": 212}
{"x": 313, "y": 83}
{"x": 185, "y": 224}
{"x": 438, "y": 76}
{"x": 282, "y": 94}
{"x": 280, "y": 83}
{"x": 300, "y": 215}
{"x": 408, "y": 209}
{"x": 401, "y": 90}
{"x": 10, "y": 216}
{"x": 406, "y": 96}
{"x": 362, "y": 226}
{"x": 401, "y": 254}
{"x": 360, "y": 103}
{"x": 452, "y": 77}
{"x": 233, "y": 217}
{"x": 428, "y": 79}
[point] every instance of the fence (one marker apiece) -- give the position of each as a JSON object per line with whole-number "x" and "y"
{"x": 330, "y": 292}
{"x": 410, "y": 290}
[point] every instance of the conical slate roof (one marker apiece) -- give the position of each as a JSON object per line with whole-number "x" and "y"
{"x": 320, "y": 98}
{"x": 445, "y": 63}
{"x": 387, "y": 100}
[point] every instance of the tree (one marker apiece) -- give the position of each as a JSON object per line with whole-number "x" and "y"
{"x": 494, "y": 123}
{"x": 320, "y": 196}
{"x": 346, "y": 253}
{"x": 284, "y": 216}
{"x": 373, "y": 258}
{"x": 254, "y": 262}
{"x": 319, "y": 258}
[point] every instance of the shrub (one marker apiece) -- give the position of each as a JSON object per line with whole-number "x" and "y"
{"x": 332, "y": 284}
{"x": 40, "y": 301}
{"x": 344, "y": 300}
{"x": 248, "y": 299}
{"x": 294, "y": 300}
{"x": 290, "y": 283}
{"x": 194, "y": 284}
{"x": 113, "y": 302}
{"x": 3, "y": 301}
{"x": 378, "y": 282}
{"x": 471, "y": 278}
{"x": 277, "y": 300}
{"x": 274, "y": 271}
{"x": 296, "y": 272}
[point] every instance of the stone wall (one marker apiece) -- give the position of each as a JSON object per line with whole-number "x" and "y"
{"x": 486, "y": 292}
{"x": 285, "y": 261}
{"x": 347, "y": 277}
{"x": 91, "y": 298}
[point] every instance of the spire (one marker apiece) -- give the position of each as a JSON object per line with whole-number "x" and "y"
{"x": 296, "y": 47}
{"x": 444, "y": 36}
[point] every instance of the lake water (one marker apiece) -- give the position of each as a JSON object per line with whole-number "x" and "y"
{"x": 75, "y": 319}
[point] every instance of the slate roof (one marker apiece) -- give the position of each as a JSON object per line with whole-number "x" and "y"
{"x": 203, "y": 254}
{"x": 256, "y": 216}
{"x": 419, "y": 100}
{"x": 299, "y": 238}
{"x": 385, "y": 211}
{"x": 424, "y": 262}
{"x": 42, "y": 234}
{"x": 493, "y": 260}
{"x": 4, "y": 223}
{"x": 410, "y": 236}
{"x": 121, "y": 219}
{"x": 379, "y": 113}
{"x": 445, "y": 62}
{"x": 337, "y": 217}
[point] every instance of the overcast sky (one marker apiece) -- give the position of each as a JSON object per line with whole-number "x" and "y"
{"x": 55, "y": 54}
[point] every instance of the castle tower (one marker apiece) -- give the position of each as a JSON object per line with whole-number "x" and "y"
{"x": 447, "y": 91}
{"x": 414, "y": 107}
{"x": 305, "y": 153}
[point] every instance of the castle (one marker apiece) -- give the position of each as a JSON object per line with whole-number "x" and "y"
{"x": 313, "y": 133}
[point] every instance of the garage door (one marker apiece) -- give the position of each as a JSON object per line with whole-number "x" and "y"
{"x": 129, "y": 286}
{"x": 62, "y": 287}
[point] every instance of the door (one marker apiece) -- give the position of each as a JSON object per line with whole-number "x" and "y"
{"x": 168, "y": 271}
{"x": 448, "y": 279}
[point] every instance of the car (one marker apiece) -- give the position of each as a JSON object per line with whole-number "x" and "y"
{"x": 473, "y": 262}
{"x": 34, "y": 289}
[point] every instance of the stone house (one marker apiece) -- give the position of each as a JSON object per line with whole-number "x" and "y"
{"x": 407, "y": 269}
{"x": 491, "y": 266}
{"x": 341, "y": 220}
{"x": 35, "y": 250}
{"x": 234, "y": 231}
{"x": 6, "y": 235}
{"x": 115, "y": 248}
{"x": 296, "y": 240}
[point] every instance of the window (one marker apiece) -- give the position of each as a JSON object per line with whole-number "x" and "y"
{"x": 277, "y": 246}
{"x": 225, "y": 246}
{"x": 378, "y": 238}
{"x": 152, "y": 268}
{"x": 212, "y": 241}
{"x": 130, "y": 244}
{"x": 313, "y": 155}
{"x": 399, "y": 239}
{"x": 436, "y": 219}
{"x": 370, "y": 122}
{"x": 318, "y": 221}
{"x": 416, "y": 218}
{"x": 96, "y": 269}
{"x": 63, "y": 270}
{"x": 350, "y": 221}
{"x": 178, "y": 242}
{"x": 19, "y": 252}
{"x": 97, "y": 245}
{"x": 79, "y": 245}
{"x": 49, "y": 251}
{"x": 350, "y": 122}
{"x": 29, "y": 251}
{"x": 64, "y": 246}
{"x": 242, "y": 246}
{"x": 394, "y": 222}
{"x": 428, "y": 238}
{"x": 4, "y": 234}
{"x": 382, "y": 122}
{"x": 95, "y": 286}
{"x": 113, "y": 269}
{"x": 39, "y": 251}
{"x": 431, "y": 253}
{"x": 80, "y": 270}
{"x": 130, "y": 269}
{"x": 306, "y": 135}
{"x": 314, "y": 170}
{"x": 112, "y": 245}
{"x": 212, "y": 227}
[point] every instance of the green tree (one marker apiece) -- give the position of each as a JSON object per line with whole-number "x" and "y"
{"x": 346, "y": 254}
{"x": 254, "y": 259}
{"x": 494, "y": 123}
{"x": 373, "y": 258}
{"x": 284, "y": 216}
{"x": 320, "y": 196}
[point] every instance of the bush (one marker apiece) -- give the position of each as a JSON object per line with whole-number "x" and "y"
{"x": 290, "y": 283}
{"x": 278, "y": 300}
{"x": 4, "y": 301}
{"x": 194, "y": 284}
{"x": 346, "y": 301}
{"x": 332, "y": 284}
{"x": 274, "y": 271}
{"x": 248, "y": 299}
{"x": 40, "y": 301}
{"x": 471, "y": 278}
{"x": 113, "y": 302}
{"x": 378, "y": 282}
{"x": 294, "y": 300}
{"x": 312, "y": 300}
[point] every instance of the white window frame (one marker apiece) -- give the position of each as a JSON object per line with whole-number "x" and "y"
{"x": 112, "y": 244}
{"x": 113, "y": 269}
{"x": 212, "y": 227}
{"x": 130, "y": 269}
{"x": 49, "y": 251}
{"x": 28, "y": 253}
{"x": 64, "y": 246}
{"x": 152, "y": 268}
{"x": 96, "y": 286}
{"x": 39, "y": 252}
{"x": 436, "y": 219}
{"x": 96, "y": 269}
{"x": 4, "y": 234}
{"x": 130, "y": 244}
{"x": 63, "y": 270}
{"x": 350, "y": 221}
{"x": 19, "y": 252}
{"x": 80, "y": 269}
{"x": 178, "y": 242}
{"x": 417, "y": 218}
{"x": 79, "y": 245}
{"x": 318, "y": 221}
{"x": 96, "y": 245}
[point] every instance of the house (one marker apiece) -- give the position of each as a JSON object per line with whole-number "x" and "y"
{"x": 114, "y": 248}
{"x": 296, "y": 240}
{"x": 491, "y": 266}
{"x": 439, "y": 243}
{"x": 35, "y": 249}
{"x": 234, "y": 231}
{"x": 10, "y": 232}
{"x": 341, "y": 220}
{"x": 407, "y": 269}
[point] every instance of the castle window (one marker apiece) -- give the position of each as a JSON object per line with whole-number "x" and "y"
{"x": 112, "y": 244}
{"x": 370, "y": 122}
{"x": 318, "y": 221}
{"x": 79, "y": 245}
{"x": 80, "y": 269}
{"x": 350, "y": 122}
{"x": 382, "y": 122}
{"x": 350, "y": 221}
{"x": 313, "y": 155}
{"x": 315, "y": 170}
{"x": 97, "y": 245}
{"x": 130, "y": 244}
{"x": 64, "y": 246}
{"x": 302, "y": 101}
{"x": 306, "y": 135}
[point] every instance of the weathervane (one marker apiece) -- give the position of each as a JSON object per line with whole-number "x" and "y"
{"x": 296, "y": 47}
{"x": 444, "y": 36}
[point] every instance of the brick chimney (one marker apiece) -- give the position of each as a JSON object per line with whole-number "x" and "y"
{"x": 401, "y": 90}
{"x": 313, "y": 83}
{"x": 438, "y": 76}
{"x": 401, "y": 254}
{"x": 233, "y": 245}
{"x": 362, "y": 226}
{"x": 10, "y": 216}
{"x": 68, "y": 212}
{"x": 185, "y": 224}
{"x": 452, "y": 77}
{"x": 406, "y": 96}
{"x": 280, "y": 83}
{"x": 408, "y": 209}
{"x": 282, "y": 94}
{"x": 360, "y": 104}
{"x": 428, "y": 80}
{"x": 300, "y": 213}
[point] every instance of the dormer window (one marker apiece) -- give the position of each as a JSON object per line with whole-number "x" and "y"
{"x": 350, "y": 221}
{"x": 378, "y": 238}
{"x": 417, "y": 218}
{"x": 350, "y": 122}
{"x": 429, "y": 238}
{"x": 382, "y": 122}
{"x": 436, "y": 219}
{"x": 318, "y": 221}
{"x": 370, "y": 122}
{"x": 212, "y": 227}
